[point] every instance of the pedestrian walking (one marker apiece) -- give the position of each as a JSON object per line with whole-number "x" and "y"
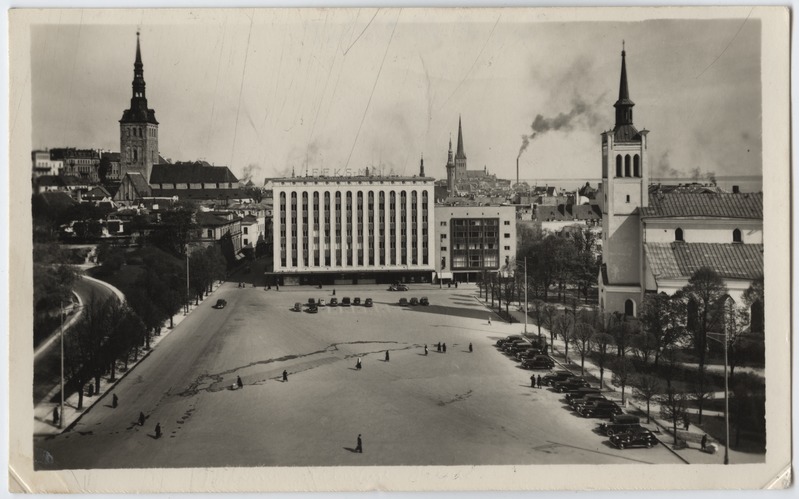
{"x": 114, "y": 401}
{"x": 489, "y": 320}
{"x": 334, "y": 291}
{"x": 358, "y": 364}
{"x": 444, "y": 348}
{"x": 387, "y": 356}
{"x": 359, "y": 445}
{"x": 704, "y": 441}
{"x": 456, "y": 284}
{"x": 471, "y": 349}
{"x": 141, "y": 419}
{"x": 277, "y": 287}
{"x": 158, "y": 430}
{"x": 532, "y": 381}
{"x": 56, "y": 417}
{"x": 285, "y": 376}
{"x": 438, "y": 347}
{"x": 539, "y": 381}
{"x": 686, "y": 421}
{"x": 425, "y": 349}
{"x": 239, "y": 383}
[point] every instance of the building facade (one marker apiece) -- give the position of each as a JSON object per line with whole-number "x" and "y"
{"x": 352, "y": 229}
{"x": 474, "y": 239}
{"x": 138, "y": 128}
{"x": 44, "y": 164}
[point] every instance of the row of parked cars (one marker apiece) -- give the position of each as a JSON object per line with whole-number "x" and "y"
{"x": 531, "y": 352}
{"x": 404, "y": 302}
{"x": 624, "y": 430}
{"x": 313, "y": 304}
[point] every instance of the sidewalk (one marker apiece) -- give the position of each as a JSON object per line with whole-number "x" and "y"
{"x": 43, "y": 412}
{"x": 691, "y": 454}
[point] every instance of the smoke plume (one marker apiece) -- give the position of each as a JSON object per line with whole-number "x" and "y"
{"x": 249, "y": 172}
{"x": 582, "y": 113}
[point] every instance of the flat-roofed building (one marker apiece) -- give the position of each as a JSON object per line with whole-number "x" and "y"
{"x": 357, "y": 229}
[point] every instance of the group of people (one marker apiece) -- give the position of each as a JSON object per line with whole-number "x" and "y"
{"x": 534, "y": 381}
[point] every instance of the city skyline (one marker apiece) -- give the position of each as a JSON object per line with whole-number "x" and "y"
{"x": 364, "y": 89}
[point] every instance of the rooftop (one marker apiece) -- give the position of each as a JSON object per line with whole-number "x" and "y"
{"x": 195, "y": 173}
{"x": 681, "y": 260}
{"x": 704, "y": 204}
{"x": 351, "y": 179}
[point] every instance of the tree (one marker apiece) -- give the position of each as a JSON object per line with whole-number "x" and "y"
{"x": 602, "y": 342}
{"x": 85, "y": 345}
{"x": 174, "y": 230}
{"x": 664, "y": 317}
{"x": 623, "y": 372}
{"x": 644, "y": 346}
{"x": 670, "y": 359}
{"x": 563, "y": 328}
{"x": 538, "y": 313}
{"x": 646, "y": 387}
{"x": 582, "y": 334}
{"x": 550, "y": 315}
{"x": 754, "y": 298}
{"x": 672, "y": 408}
{"x": 701, "y": 392}
{"x": 747, "y": 405}
{"x": 704, "y": 291}
{"x": 736, "y": 327}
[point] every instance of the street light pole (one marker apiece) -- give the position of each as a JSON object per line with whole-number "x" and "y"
{"x": 61, "y": 414}
{"x": 525, "y": 296}
{"x": 726, "y": 403}
{"x": 188, "y": 295}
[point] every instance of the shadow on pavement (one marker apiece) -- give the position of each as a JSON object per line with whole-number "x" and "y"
{"x": 351, "y": 450}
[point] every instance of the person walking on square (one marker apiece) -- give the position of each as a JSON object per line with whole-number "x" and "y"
{"x": 425, "y": 349}
{"x": 359, "y": 445}
{"x": 444, "y": 347}
{"x": 532, "y": 381}
{"x": 489, "y": 320}
{"x": 158, "y": 430}
{"x": 704, "y": 441}
{"x": 539, "y": 381}
{"x": 114, "y": 401}
{"x": 686, "y": 421}
{"x": 277, "y": 287}
{"x": 239, "y": 383}
{"x": 471, "y": 348}
{"x": 334, "y": 291}
{"x": 56, "y": 418}
{"x": 285, "y": 376}
{"x": 358, "y": 364}
{"x": 438, "y": 347}
{"x": 141, "y": 419}
{"x": 387, "y": 356}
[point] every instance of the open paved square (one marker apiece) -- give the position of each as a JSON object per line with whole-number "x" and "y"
{"x": 453, "y": 408}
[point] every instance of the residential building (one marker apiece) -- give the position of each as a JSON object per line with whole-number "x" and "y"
{"x": 81, "y": 163}
{"x": 214, "y": 227}
{"x": 44, "y": 164}
{"x": 352, "y": 229}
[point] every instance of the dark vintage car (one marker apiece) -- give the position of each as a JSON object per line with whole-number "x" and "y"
{"x": 333, "y": 302}
{"x": 356, "y": 301}
{"x": 297, "y": 307}
{"x": 599, "y": 409}
{"x": 511, "y": 346}
{"x": 311, "y": 302}
{"x": 571, "y": 384}
{"x": 414, "y": 301}
{"x": 581, "y": 392}
{"x": 403, "y": 302}
{"x": 345, "y": 302}
{"x": 424, "y": 301}
{"x": 313, "y": 309}
{"x": 619, "y": 424}
{"x": 220, "y": 303}
{"x": 538, "y": 362}
{"x": 578, "y": 403}
{"x": 555, "y": 377}
{"x": 634, "y": 437}
{"x": 398, "y": 287}
{"x": 506, "y": 339}
{"x": 368, "y": 302}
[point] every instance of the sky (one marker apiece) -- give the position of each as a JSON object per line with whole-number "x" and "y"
{"x": 268, "y": 91}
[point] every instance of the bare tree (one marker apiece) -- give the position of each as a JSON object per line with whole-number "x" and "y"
{"x": 646, "y": 387}
{"x": 672, "y": 408}
{"x": 623, "y": 372}
{"x": 602, "y": 342}
{"x": 538, "y": 313}
{"x": 644, "y": 346}
{"x": 582, "y": 335}
{"x": 550, "y": 315}
{"x": 563, "y": 327}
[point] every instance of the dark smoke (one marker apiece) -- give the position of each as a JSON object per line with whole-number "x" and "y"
{"x": 249, "y": 172}
{"x": 581, "y": 113}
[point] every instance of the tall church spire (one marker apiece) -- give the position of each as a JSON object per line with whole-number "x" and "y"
{"x": 460, "y": 154}
{"x": 139, "y": 111}
{"x": 624, "y": 106}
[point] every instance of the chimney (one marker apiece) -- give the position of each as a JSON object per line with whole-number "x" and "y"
{"x": 367, "y": 171}
{"x": 735, "y": 189}
{"x": 421, "y": 166}
{"x": 517, "y": 171}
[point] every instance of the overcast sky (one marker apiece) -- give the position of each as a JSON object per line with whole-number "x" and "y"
{"x": 264, "y": 91}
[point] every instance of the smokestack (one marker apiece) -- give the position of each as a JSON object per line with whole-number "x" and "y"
{"x": 421, "y": 166}
{"x": 517, "y": 170}
{"x": 367, "y": 171}
{"x": 736, "y": 189}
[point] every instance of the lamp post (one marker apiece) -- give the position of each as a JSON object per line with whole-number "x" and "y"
{"x": 61, "y": 414}
{"x": 726, "y": 398}
{"x": 188, "y": 294}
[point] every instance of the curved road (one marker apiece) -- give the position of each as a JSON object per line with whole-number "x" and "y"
{"x": 47, "y": 364}
{"x": 444, "y": 409}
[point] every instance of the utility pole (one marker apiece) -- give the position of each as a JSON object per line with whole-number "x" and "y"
{"x": 188, "y": 294}
{"x": 61, "y": 414}
{"x": 525, "y": 278}
{"x": 726, "y": 403}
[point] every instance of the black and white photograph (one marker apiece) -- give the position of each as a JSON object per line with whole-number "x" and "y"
{"x": 435, "y": 248}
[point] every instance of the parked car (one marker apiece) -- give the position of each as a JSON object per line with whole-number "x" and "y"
{"x": 313, "y": 309}
{"x": 403, "y": 302}
{"x": 599, "y": 409}
{"x": 424, "y": 301}
{"x": 634, "y": 437}
{"x": 311, "y": 302}
{"x": 581, "y": 392}
{"x": 414, "y": 301}
{"x": 321, "y": 302}
{"x": 620, "y": 424}
{"x": 356, "y": 301}
{"x": 333, "y": 302}
{"x": 570, "y": 384}
{"x": 509, "y": 346}
{"x": 345, "y": 302}
{"x": 577, "y": 403}
{"x": 220, "y": 303}
{"x": 533, "y": 352}
{"x": 368, "y": 302}
{"x": 398, "y": 287}
{"x": 297, "y": 307}
{"x": 512, "y": 337}
{"x": 550, "y": 379}
{"x": 538, "y": 362}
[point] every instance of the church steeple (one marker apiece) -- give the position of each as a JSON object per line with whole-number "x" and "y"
{"x": 624, "y": 130}
{"x": 450, "y": 161}
{"x": 460, "y": 154}
{"x": 421, "y": 166}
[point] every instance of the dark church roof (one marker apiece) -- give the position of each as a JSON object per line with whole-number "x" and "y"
{"x": 680, "y": 260}
{"x": 705, "y": 205}
{"x": 195, "y": 173}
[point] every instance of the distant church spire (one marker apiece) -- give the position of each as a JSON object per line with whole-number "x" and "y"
{"x": 421, "y": 166}
{"x": 624, "y": 106}
{"x": 460, "y": 154}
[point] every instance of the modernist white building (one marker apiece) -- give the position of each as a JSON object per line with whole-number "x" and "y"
{"x": 357, "y": 229}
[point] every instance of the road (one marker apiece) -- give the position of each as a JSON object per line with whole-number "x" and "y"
{"x": 457, "y": 408}
{"x": 47, "y": 364}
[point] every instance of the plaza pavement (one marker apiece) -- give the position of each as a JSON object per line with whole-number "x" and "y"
{"x": 457, "y": 408}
